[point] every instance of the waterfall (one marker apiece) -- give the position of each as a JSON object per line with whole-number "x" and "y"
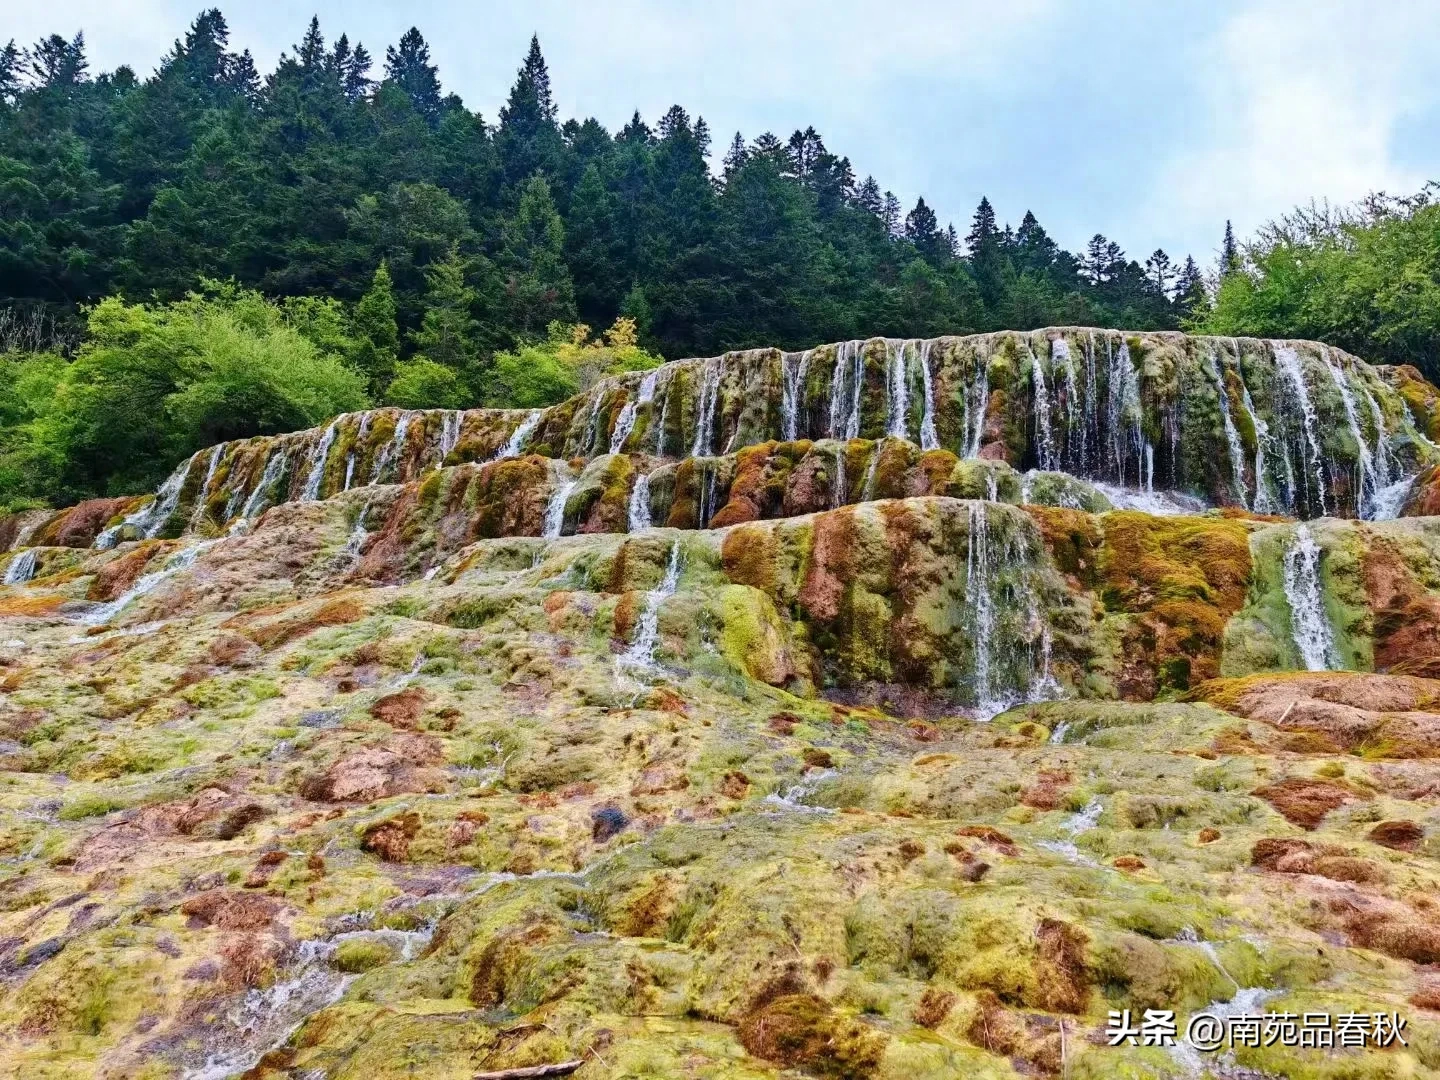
{"x": 197, "y": 513}
{"x": 520, "y": 435}
{"x": 1232, "y": 436}
{"x": 707, "y": 508}
{"x": 867, "y": 489}
{"x": 1265, "y": 501}
{"x": 626, "y": 422}
{"x": 1046, "y": 448}
{"x": 1060, "y": 354}
{"x": 350, "y": 457}
{"x": 929, "y": 440}
{"x": 274, "y": 468}
{"x": 1309, "y": 624}
{"x": 1383, "y": 459}
{"x": 394, "y": 448}
{"x": 555, "y": 511}
{"x": 1288, "y": 361}
{"x": 705, "y": 408}
{"x": 316, "y": 477}
{"x": 857, "y": 384}
{"x": 639, "y": 516}
{"x": 1369, "y": 483}
{"x": 838, "y": 493}
{"x": 1122, "y": 407}
{"x": 977, "y": 399}
{"x": 449, "y": 432}
{"x": 356, "y": 543}
{"x": 641, "y": 654}
{"x": 897, "y": 391}
{"x": 21, "y": 568}
{"x": 978, "y": 598}
{"x": 791, "y": 391}
{"x": 180, "y": 560}
{"x": 1149, "y": 468}
{"x": 664, "y": 415}
{"x": 1390, "y": 499}
{"x": 151, "y": 518}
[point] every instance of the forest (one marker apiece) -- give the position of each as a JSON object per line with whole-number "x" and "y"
{"x": 207, "y": 253}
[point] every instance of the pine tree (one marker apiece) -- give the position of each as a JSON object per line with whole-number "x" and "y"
{"x": 736, "y": 156}
{"x": 1229, "y": 252}
{"x": 890, "y": 215}
{"x": 11, "y": 62}
{"x": 57, "y": 63}
{"x": 868, "y": 197}
{"x": 982, "y": 228}
{"x": 1160, "y": 271}
{"x": 923, "y": 230}
{"x": 529, "y": 139}
{"x": 448, "y": 330}
{"x": 311, "y": 50}
{"x": 1095, "y": 263}
{"x": 538, "y": 289}
{"x": 408, "y": 66}
{"x": 1190, "y": 295}
{"x": 377, "y": 335}
{"x": 592, "y": 249}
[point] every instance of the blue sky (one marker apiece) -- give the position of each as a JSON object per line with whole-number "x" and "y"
{"x": 1149, "y": 122}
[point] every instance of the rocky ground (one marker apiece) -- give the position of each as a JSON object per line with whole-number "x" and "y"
{"x": 385, "y": 784}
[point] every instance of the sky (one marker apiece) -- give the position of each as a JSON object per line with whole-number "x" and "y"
{"x": 1152, "y": 123}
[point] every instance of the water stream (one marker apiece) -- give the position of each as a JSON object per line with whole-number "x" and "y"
{"x": 1309, "y": 623}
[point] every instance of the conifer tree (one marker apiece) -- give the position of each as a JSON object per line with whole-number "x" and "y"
{"x": 538, "y": 289}
{"x": 377, "y": 334}
{"x": 1229, "y": 252}
{"x": 408, "y": 66}
{"x": 448, "y": 330}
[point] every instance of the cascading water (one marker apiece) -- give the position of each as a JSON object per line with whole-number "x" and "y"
{"x": 21, "y": 568}
{"x": 792, "y": 387}
{"x": 977, "y": 398}
{"x": 180, "y": 560}
{"x": 857, "y": 384}
{"x": 979, "y": 599}
{"x": 1123, "y": 409}
{"x": 198, "y": 512}
{"x": 625, "y": 423}
{"x": 1384, "y": 460}
{"x": 1289, "y": 364}
{"x": 867, "y": 488}
{"x": 450, "y": 423}
{"x": 1309, "y": 623}
{"x": 640, "y": 657}
{"x": 1060, "y": 356}
{"x": 839, "y": 491}
{"x": 639, "y": 509}
{"x": 897, "y": 391}
{"x": 150, "y": 519}
{"x": 929, "y": 439}
{"x": 520, "y": 435}
{"x": 705, "y": 409}
{"x": 350, "y": 457}
{"x": 274, "y": 469}
{"x": 394, "y": 448}
{"x": 1232, "y": 435}
{"x": 1045, "y": 451}
{"x": 1265, "y": 500}
{"x": 316, "y": 477}
{"x": 555, "y": 511}
{"x": 1369, "y": 482}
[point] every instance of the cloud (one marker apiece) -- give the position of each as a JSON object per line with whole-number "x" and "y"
{"x": 1302, "y": 99}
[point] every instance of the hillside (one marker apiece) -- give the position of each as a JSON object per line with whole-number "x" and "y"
{"x": 891, "y": 708}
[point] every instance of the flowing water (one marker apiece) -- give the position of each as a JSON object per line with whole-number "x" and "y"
{"x": 1265, "y": 500}
{"x": 198, "y": 512}
{"x": 555, "y": 511}
{"x": 1061, "y": 358}
{"x": 350, "y": 457}
{"x": 981, "y": 602}
{"x": 1369, "y": 482}
{"x": 394, "y": 448}
{"x": 311, "y": 491}
{"x": 1289, "y": 364}
{"x": 1045, "y": 450}
{"x": 269, "y": 479}
{"x": 1390, "y": 500}
{"x": 1232, "y": 436}
{"x": 897, "y": 391}
{"x": 21, "y": 568}
{"x": 929, "y": 439}
{"x": 625, "y": 424}
{"x": 640, "y": 657}
{"x": 1309, "y": 623}
{"x": 791, "y": 390}
{"x": 178, "y": 561}
{"x": 639, "y": 509}
{"x": 450, "y": 422}
{"x": 151, "y": 518}
{"x": 977, "y": 400}
{"x": 516, "y": 443}
{"x": 705, "y": 409}
{"x": 1123, "y": 410}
